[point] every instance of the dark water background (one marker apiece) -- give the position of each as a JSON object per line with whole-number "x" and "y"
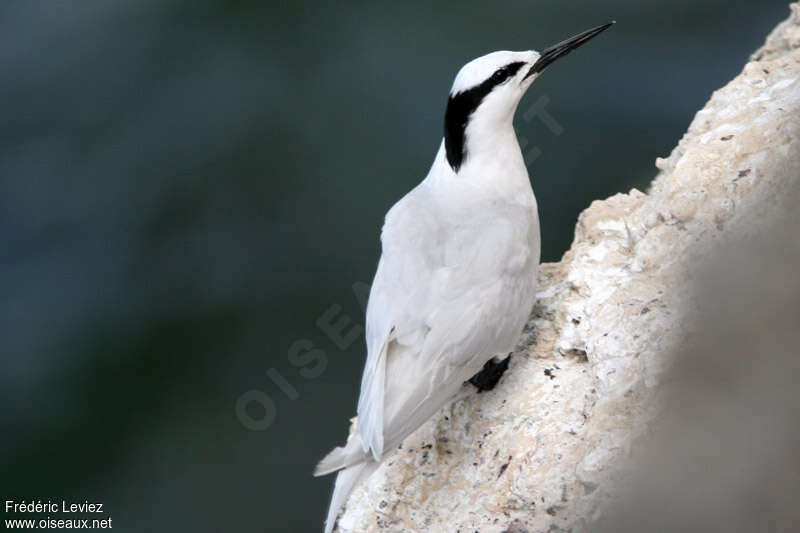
{"x": 187, "y": 187}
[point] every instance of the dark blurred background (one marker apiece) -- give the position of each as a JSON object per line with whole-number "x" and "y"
{"x": 190, "y": 190}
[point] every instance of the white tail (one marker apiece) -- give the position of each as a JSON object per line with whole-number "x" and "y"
{"x": 335, "y": 460}
{"x": 345, "y": 481}
{"x": 342, "y": 457}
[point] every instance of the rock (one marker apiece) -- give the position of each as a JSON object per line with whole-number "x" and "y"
{"x": 544, "y": 450}
{"x": 721, "y": 455}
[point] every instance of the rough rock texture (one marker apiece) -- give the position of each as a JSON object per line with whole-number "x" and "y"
{"x": 543, "y": 450}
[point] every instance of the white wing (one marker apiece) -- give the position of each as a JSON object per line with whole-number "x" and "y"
{"x": 450, "y": 292}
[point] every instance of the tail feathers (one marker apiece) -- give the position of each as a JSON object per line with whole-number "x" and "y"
{"x": 345, "y": 482}
{"x": 332, "y": 462}
{"x": 342, "y": 457}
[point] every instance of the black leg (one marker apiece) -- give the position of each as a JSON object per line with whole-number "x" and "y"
{"x": 487, "y": 378}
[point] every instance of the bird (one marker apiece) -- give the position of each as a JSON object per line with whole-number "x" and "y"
{"x": 456, "y": 280}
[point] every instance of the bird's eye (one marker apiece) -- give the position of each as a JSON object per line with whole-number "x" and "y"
{"x": 499, "y": 74}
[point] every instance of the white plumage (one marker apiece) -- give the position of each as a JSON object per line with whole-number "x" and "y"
{"x": 457, "y": 278}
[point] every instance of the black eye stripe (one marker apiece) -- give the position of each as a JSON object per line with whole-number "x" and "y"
{"x": 459, "y": 108}
{"x": 504, "y": 73}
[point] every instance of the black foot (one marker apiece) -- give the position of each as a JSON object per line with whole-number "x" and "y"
{"x": 487, "y": 378}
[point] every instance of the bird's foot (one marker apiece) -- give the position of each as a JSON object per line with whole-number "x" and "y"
{"x": 487, "y": 378}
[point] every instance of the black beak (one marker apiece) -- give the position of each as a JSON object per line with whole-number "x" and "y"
{"x": 564, "y": 47}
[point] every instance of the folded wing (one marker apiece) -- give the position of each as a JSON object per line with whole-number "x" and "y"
{"x": 446, "y": 297}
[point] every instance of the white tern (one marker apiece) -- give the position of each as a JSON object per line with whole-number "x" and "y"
{"x": 457, "y": 278}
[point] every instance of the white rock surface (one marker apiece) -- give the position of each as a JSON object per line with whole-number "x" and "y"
{"x": 543, "y": 450}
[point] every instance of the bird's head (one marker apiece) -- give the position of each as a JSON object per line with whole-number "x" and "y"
{"x": 487, "y": 90}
